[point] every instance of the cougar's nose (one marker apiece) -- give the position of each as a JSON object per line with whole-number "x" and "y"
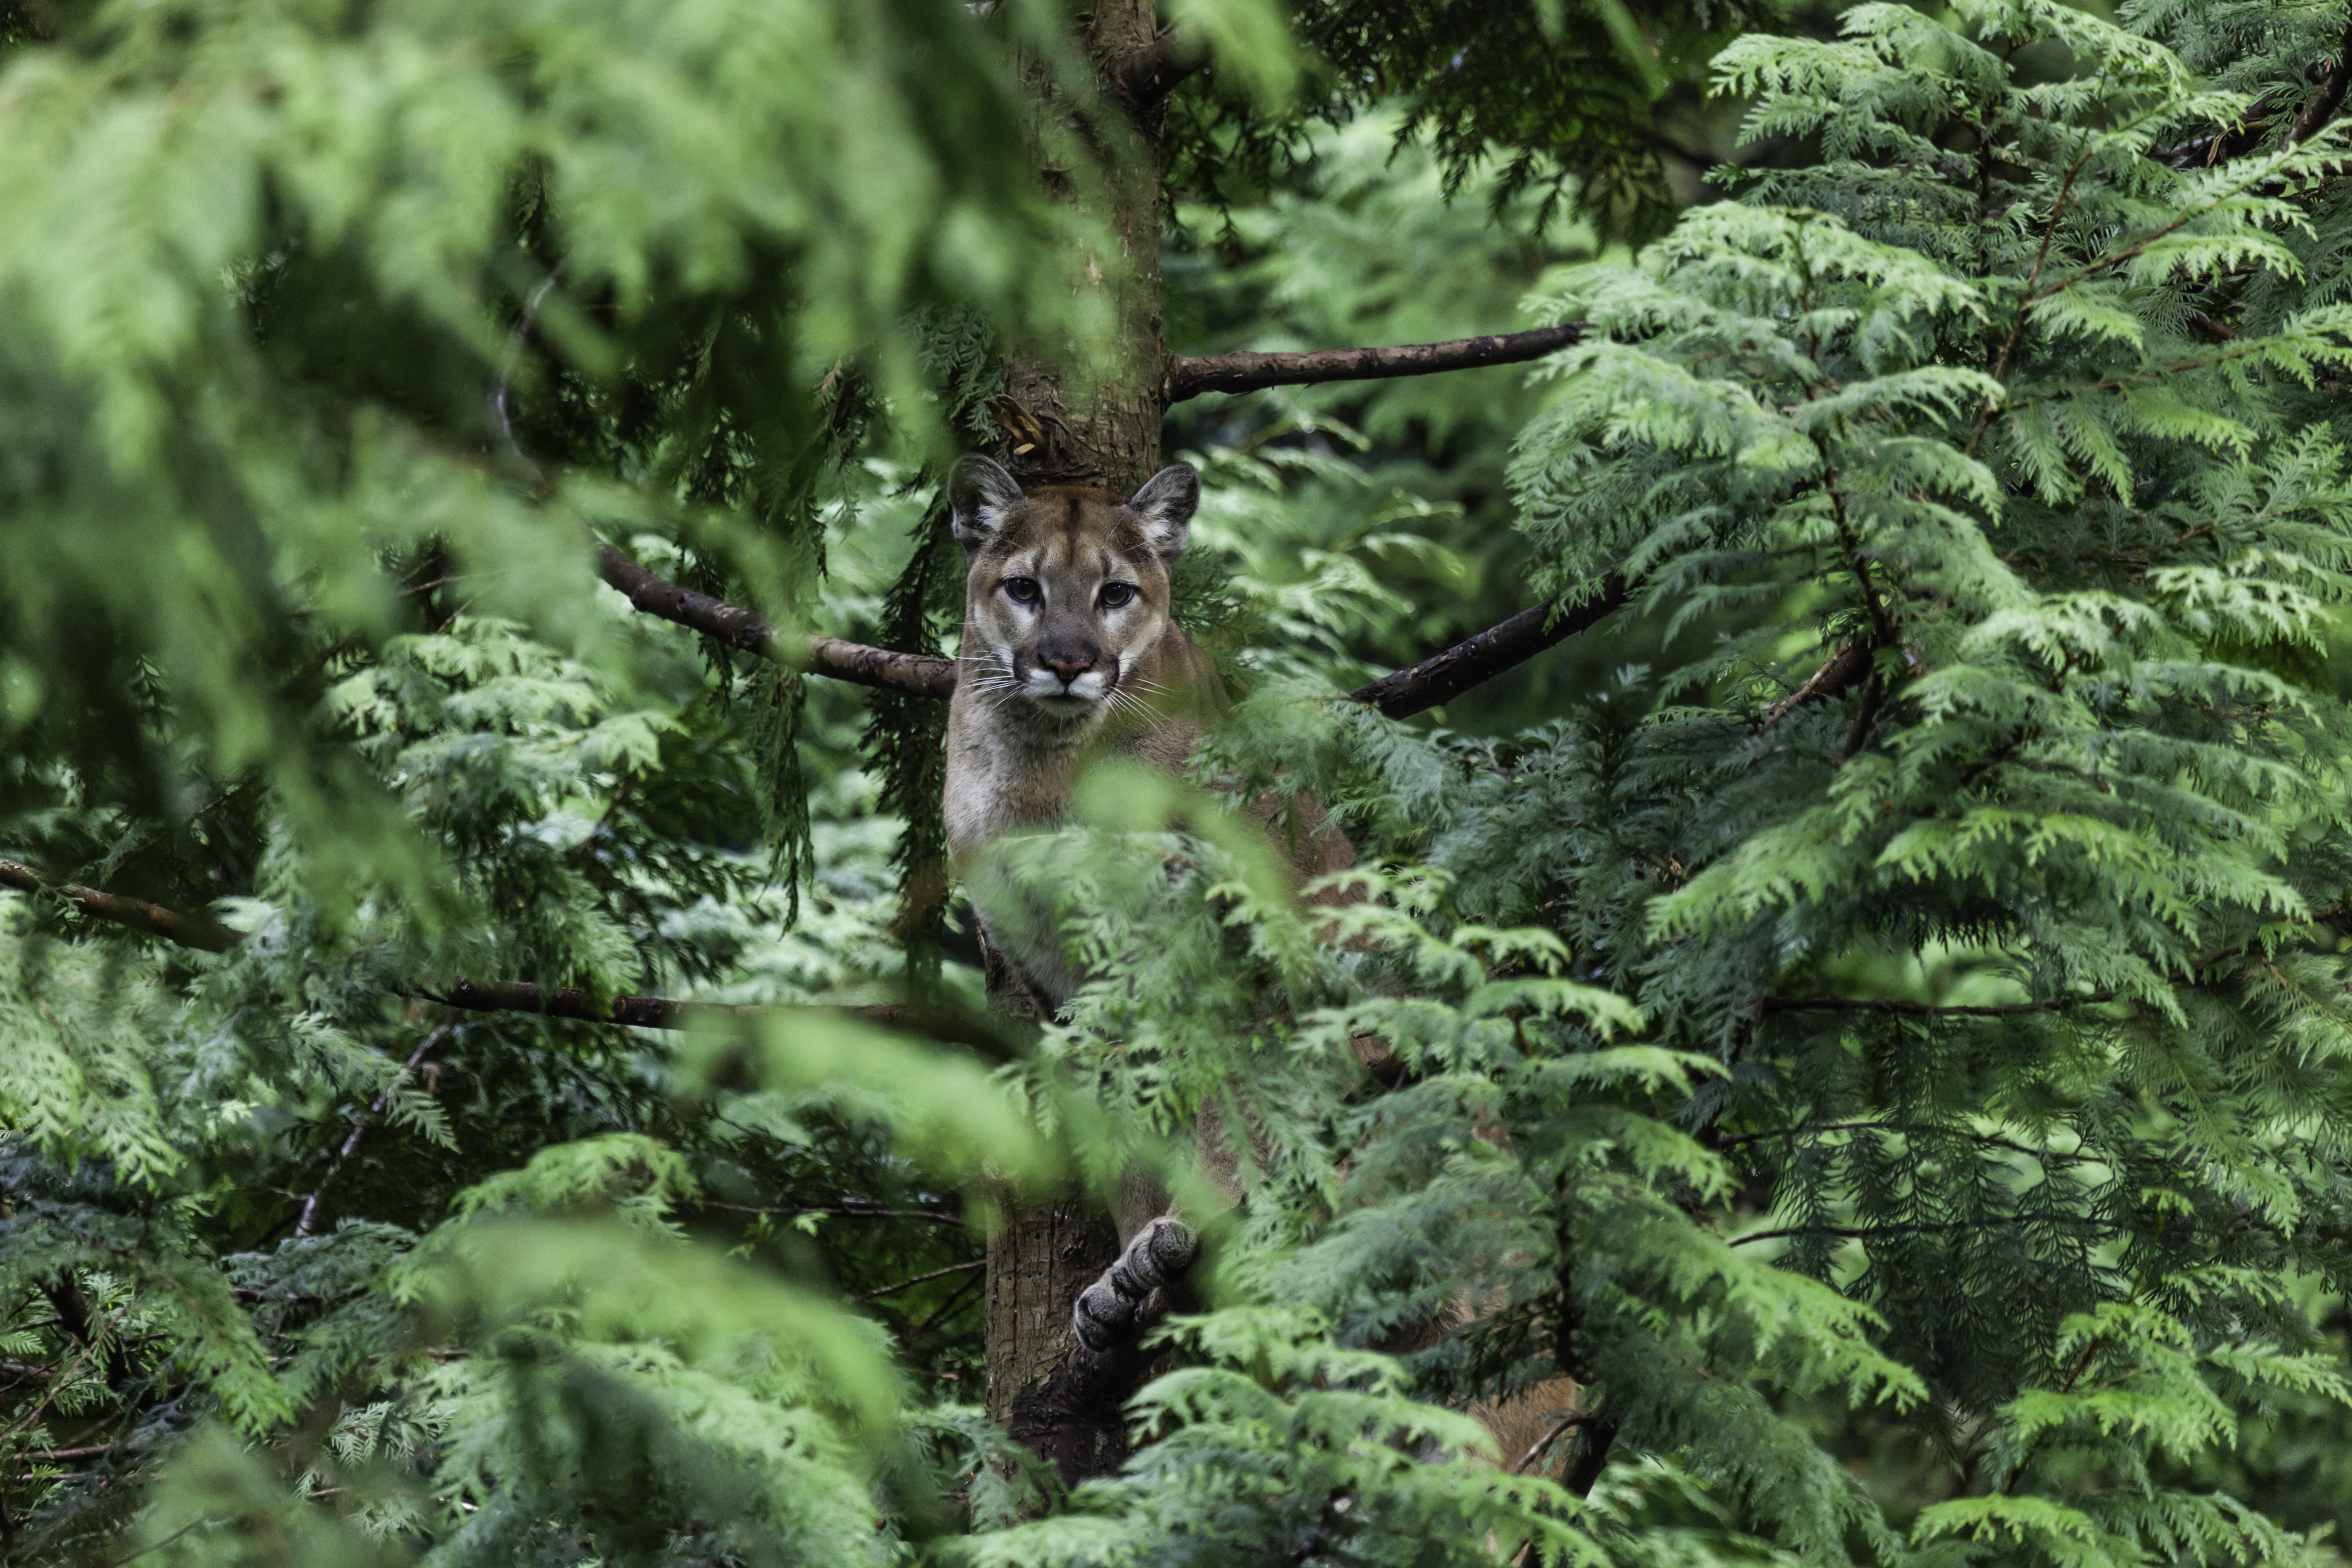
{"x": 1067, "y": 664}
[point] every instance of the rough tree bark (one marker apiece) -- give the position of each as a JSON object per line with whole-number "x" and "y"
{"x": 1071, "y": 417}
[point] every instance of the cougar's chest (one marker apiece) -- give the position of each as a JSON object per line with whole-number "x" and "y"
{"x": 1000, "y": 781}
{"x": 997, "y": 784}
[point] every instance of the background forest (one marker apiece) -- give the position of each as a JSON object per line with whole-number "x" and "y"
{"x": 493, "y": 1069}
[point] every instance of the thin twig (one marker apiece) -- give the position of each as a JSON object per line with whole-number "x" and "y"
{"x": 1864, "y": 1233}
{"x": 2017, "y": 1471}
{"x": 920, "y": 1279}
{"x": 1924, "y": 1009}
{"x": 502, "y": 419}
{"x": 65, "y": 1376}
{"x": 846, "y": 1211}
{"x": 954, "y": 1297}
{"x": 2025, "y": 305}
{"x": 1567, "y": 1423}
{"x": 158, "y": 1546}
{"x": 359, "y": 1129}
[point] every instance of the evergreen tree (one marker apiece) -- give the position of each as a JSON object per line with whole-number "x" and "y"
{"x": 488, "y": 1077}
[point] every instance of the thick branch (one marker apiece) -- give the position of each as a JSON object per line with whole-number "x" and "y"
{"x": 741, "y": 628}
{"x": 1190, "y": 377}
{"x": 1147, "y": 78}
{"x": 1443, "y": 677}
{"x": 1438, "y": 678}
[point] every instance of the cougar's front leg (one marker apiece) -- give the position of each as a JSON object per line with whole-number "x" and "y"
{"x": 1105, "y": 1312}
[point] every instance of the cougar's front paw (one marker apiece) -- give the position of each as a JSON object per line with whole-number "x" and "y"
{"x": 1160, "y": 1254}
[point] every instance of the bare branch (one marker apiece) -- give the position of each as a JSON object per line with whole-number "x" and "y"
{"x": 842, "y": 1210}
{"x": 1868, "y": 1231}
{"x": 1435, "y": 679}
{"x": 568, "y": 1002}
{"x": 740, "y": 629}
{"x": 1840, "y": 671}
{"x": 188, "y": 931}
{"x": 920, "y": 1279}
{"x": 1190, "y": 377}
{"x": 1924, "y": 1009}
{"x": 1443, "y": 677}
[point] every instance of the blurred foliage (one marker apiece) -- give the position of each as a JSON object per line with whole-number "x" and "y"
{"x": 1573, "y": 103}
{"x": 328, "y": 334}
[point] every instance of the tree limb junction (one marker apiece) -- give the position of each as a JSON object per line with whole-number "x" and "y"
{"x": 1151, "y": 75}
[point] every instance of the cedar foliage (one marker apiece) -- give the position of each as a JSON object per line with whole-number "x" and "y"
{"x": 1916, "y": 1116}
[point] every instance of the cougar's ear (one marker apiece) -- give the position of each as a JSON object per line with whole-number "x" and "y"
{"x": 1165, "y": 506}
{"x": 980, "y": 494}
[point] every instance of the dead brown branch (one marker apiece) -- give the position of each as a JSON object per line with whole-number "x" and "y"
{"x": 1442, "y": 677}
{"x": 1190, "y": 377}
{"x": 747, "y": 630}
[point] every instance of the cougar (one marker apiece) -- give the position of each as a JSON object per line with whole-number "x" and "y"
{"x": 1071, "y": 651}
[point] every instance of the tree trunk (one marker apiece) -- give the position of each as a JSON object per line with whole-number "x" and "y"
{"x": 1098, "y": 415}
{"x": 1072, "y": 417}
{"x": 1050, "y": 1394}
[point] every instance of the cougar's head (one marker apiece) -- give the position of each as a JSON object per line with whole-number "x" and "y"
{"x": 1066, "y": 590}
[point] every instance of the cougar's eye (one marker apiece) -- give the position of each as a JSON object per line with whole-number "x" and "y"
{"x": 1115, "y": 595}
{"x": 1021, "y": 590}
